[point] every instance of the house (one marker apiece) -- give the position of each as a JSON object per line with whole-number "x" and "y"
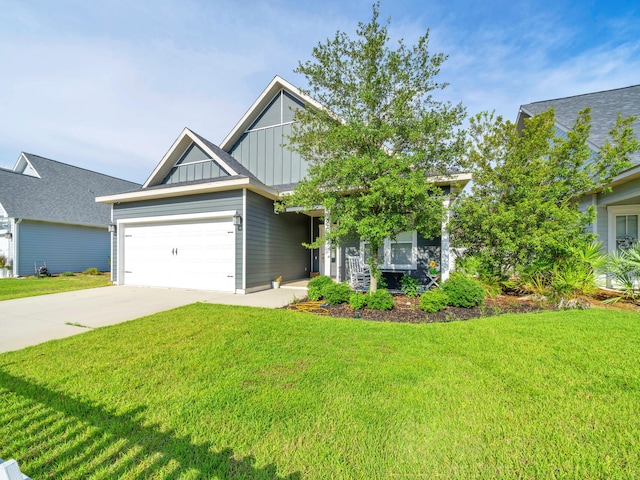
{"x": 618, "y": 211}
{"x": 205, "y": 217}
{"x": 48, "y": 215}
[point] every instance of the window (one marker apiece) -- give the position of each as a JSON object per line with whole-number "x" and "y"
{"x": 626, "y": 231}
{"x": 400, "y": 253}
{"x": 624, "y": 221}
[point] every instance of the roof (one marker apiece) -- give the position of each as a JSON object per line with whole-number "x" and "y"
{"x": 61, "y": 193}
{"x": 605, "y": 107}
{"x": 177, "y": 149}
{"x": 278, "y": 83}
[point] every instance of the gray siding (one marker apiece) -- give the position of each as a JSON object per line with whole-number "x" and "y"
{"x": 204, "y": 203}
{"x": 64, "y": 248}
{"x": 266, "y": 155}
{"x": 625, "y": 194}
{"x": 274, "y": 243}
{"x": 194, "y": 165}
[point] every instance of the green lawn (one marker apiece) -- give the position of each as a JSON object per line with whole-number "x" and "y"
{"x": 32, "y": 286}
{"x": 209, "y": 391}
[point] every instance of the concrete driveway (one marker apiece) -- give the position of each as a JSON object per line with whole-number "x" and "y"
{"x": 33, "y": 320}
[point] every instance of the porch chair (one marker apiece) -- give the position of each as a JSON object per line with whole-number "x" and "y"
{"x": 358, "y": 272}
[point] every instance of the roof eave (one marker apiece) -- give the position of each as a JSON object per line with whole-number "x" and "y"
{"x": 181, "y": 190}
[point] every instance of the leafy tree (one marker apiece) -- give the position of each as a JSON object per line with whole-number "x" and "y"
{"x": 379, "y": 138}
{"x": 523, "y": 210}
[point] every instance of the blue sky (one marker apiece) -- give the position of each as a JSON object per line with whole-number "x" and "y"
{"x": 109, "y": 85}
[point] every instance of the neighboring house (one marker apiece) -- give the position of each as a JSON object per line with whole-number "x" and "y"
{"x": 205, "y": 217}
{"x": 48, "y": 215}
{"x": 618, "y": 212}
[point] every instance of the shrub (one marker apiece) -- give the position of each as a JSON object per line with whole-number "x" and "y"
{"x": 358, "y": 300}
{"x": 410, "y": 286}
{"x": 434, "y": 300}
{"x": 463, "y": 292}
{"x": 380, "y": 300}
{"x": 317, "y": 286}
{"x": 337, "y": 293}
{"x": 67, "y": 274}
{"x": 92, "y": 271}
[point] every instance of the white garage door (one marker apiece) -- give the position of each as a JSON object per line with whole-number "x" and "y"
{"x": 195, "y": 254}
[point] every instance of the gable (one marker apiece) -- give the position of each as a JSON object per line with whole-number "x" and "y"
{"x": 263, "y": 147}
{"x": 279, "y": 111}
{"x": 193, "y": 158}
{"x": 194, "y": 164}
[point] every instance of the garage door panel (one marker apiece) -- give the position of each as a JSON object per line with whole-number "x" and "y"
{"x": 199, "y": 255}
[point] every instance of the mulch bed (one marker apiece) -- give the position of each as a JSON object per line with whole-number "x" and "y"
{"x": 406, "y": 310}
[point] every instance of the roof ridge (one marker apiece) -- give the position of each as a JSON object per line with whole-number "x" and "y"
{"x": 584, "y": 94}
{"x": 79, "y": 168}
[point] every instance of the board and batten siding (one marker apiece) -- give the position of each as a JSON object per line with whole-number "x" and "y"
{"x": 274, "y": 243}
{"x": 64, "y": 248}
{"x": 188, "y": 204}
{"x": 265, "y": 153}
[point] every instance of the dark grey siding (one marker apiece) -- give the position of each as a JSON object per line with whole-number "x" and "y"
{"x": 428, "y": 250}
{"x": 274, "y": 243}
{"x": 188, "y": 204}
{"x": 64, "y": 248}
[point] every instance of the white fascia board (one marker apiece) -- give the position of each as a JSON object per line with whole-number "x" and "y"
{"x": 457, "y": 178}
{"x": 178, "y": 191}
{"x": 165, "y": 158}
{"x": 277, "y": 84}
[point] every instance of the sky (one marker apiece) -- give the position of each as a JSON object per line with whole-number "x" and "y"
{"x": 110, "y": 85}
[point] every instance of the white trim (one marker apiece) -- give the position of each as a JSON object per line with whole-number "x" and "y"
{"x": 270, "y": 126}
{"x": 327, "y": 245}
{"x": 23, "y": 159}
{"x": 191, "y": 163}
{"x": 445, "y": 248}
{"x": 216, "y": 186}
{"x": 176, "y": 218}
{"x": 387, "y": 265}
{"x": 244, "y": 239}
{"x": 612, "y": 212}
{"x": 594, "y": 204}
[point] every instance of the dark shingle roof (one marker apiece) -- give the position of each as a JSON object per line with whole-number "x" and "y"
{"x": 62, "y": 194}
{"x": 224, "y": 156}
{"x": 605, "y": 107}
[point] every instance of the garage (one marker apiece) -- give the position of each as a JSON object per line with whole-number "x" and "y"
{"x": 195, "y": 254}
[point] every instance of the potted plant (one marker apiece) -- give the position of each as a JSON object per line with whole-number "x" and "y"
{"x": 276, "y": 283}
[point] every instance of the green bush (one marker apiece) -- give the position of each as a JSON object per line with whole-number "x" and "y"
{"x": 463, "y": 292}
{"x": 317, "y": 287}
{"x": 410, "y": 286}
{"x": 337, "y": 293}
{"x": 434, "y": 300}
{"x": 380, "y": 300}
{"x": 358, "y": 300}
{"x": 67, "y": 274}
{"x": 92, "y": 271}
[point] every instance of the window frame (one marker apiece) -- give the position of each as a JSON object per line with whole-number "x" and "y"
{"x": 387, "y": 265}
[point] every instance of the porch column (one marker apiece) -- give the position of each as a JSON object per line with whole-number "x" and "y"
{"x": 445, "y": 252}
{"x": 327, "y": 246}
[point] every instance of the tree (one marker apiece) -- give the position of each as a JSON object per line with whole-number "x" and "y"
{"x": 523, "y": 207}
{"x": 379, "y": 140}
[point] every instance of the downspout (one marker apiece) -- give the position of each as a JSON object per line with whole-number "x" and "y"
{"x": 16, "y": 236}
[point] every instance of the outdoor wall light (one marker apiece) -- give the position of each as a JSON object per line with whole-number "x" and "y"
{"x": 113, "y": 228}
{"x": 237, "y": 220}
{"x": 8, "y": 235}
